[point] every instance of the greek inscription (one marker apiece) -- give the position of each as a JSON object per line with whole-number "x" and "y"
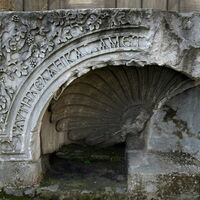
{"x": 39, "y": 83}
{"x": 130, "y": 41}
{"x": 31, "y": 94}
{"x": 67, "y": 58}
{"x": 34, "y": 91}
{"x": 26, "y": 101}
{"x": 58, "y": 65}
{"x": 20, "y": 117}
{"x": 103, "y": 45}
{"x": 52, "y": 70}
{"x": 46, "y": 76}
{"x": 19, "y": 126}
{"x": 126, "y": 41}
{"x": 22, "y": 110}
{"x": 64, "y": 61}
{"x": 114, "y": 43}
{"x": 79, "y": 54}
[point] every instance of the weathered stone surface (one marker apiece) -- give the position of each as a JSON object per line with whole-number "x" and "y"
{"x": 171, "y": 159}
{"x": 13, "y": 192}
{"x": 175, "y": 127}
{"x": 43, "y": 52}
{"x": 162, "y": 175}
{"x": 31, "y": 192}
{"x": 18, "y": 173}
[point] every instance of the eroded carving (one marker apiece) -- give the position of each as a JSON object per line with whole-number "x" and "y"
{"x": 6, "y": 94}
{"x": 30, "y": 41}
{"x": 27, "y": 40}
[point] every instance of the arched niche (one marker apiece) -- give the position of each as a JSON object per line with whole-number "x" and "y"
{"x": 106, "y": 105}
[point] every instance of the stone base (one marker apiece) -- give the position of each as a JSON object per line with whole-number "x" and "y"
{"x": 19, "y": 174}
{"x": 162, "y": 175}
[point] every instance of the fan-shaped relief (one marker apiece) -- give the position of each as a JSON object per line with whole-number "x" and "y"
{"x": 103, "y": 106}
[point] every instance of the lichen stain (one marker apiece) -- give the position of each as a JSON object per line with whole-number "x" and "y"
{"x": 182, "y": 126}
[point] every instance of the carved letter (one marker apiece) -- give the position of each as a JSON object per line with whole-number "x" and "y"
{"x": 67, "y": 58}
{"x": 79, "y": 54}
{"x": 103, "y": 45}
{"x": 114, "y": 44}
{"x": 59, "y": 64}
{"x": 39, "y": 83}
{"x": 26, "y": 101}
{"x": 19, "y": 126}
{"x": 126, "y": 41}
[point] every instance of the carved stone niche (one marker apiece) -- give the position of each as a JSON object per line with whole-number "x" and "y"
{"x": 146, "y": 62}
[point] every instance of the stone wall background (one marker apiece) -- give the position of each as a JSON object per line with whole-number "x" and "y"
{"x": 29, "y": 5}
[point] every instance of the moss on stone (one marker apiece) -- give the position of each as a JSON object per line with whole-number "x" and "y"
{"x": 177, "y": 184}
{"x": 4, "y": 196}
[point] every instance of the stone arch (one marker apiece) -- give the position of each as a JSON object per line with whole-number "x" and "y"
{"x": 92, "y": 51}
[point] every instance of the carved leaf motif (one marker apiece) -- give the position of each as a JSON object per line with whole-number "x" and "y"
{"x": 119, "y": 18}
{"x": 34, "y": 36}
{"x": 6, "y": 94}
{"x": 63, "y": 35}
{"x": 94, "y": 22}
